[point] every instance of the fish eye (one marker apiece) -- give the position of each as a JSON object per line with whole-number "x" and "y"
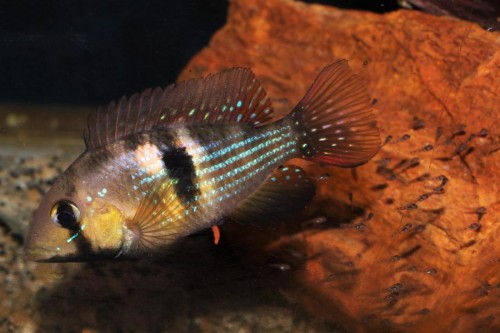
{"x": 65, "y": 214}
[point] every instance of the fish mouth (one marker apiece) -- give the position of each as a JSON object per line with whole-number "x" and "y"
{"x": 33, "y": 254}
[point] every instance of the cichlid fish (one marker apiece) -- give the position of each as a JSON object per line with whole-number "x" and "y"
{"x": 169, "y": 162}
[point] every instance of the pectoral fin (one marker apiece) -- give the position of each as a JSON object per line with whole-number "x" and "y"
{"x": 159, "y": 219}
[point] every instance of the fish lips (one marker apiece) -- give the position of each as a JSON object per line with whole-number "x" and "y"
{"x": 48, "y": 255}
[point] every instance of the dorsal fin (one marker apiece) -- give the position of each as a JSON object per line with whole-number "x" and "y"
{"x": 230, "y": 96}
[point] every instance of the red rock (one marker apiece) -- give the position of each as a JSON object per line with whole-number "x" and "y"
{"x": 435, "y": 268}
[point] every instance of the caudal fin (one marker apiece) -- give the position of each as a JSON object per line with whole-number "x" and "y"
{"x": 334, "y": 120}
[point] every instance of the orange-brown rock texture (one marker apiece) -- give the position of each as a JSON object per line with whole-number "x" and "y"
{"x": 410, "y": 241}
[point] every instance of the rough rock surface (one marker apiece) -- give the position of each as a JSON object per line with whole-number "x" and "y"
{"x": 410, "y": 240}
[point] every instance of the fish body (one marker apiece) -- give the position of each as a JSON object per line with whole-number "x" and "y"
{"x": 164, "y": 164}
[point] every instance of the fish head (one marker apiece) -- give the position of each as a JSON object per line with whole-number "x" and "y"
{"x": 73, "y": 224}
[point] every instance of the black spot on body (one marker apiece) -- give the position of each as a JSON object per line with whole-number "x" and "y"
{"x": 180, "y": 166}
{"x": 178, "y": 163}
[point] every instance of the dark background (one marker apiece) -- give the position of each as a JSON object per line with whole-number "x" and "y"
{"x": 93, "y": 51}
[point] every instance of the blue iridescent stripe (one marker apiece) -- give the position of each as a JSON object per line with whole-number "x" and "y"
{"x": 267, "y": 148}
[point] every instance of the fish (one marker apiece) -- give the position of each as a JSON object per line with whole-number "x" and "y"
{"x": 483, "y": 12}
{"x": 167, "y": 163}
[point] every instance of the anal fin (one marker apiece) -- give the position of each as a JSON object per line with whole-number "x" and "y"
{"x": 284, "y": 192}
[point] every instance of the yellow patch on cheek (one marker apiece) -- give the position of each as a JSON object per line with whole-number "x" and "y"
{"x": 103, "y": 226}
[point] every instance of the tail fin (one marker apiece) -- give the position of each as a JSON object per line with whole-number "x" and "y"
{"x": 334, "y": 121}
